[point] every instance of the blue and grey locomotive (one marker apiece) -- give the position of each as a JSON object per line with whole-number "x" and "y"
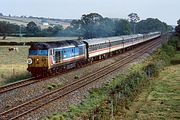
{"x": 50, "y": 57}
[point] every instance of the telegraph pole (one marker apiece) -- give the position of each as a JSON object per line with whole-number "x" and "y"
{"x": 20, "y": 35}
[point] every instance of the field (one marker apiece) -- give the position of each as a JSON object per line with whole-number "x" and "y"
{"x": 35, "y": 39}
{"x": 161, "y": 101}
{"x": 25, "y": 21}
{"x": 12, "y": 64}
{"x": 14, "y": 21}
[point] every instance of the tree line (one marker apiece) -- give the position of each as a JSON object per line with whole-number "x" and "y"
{"x": 91, "y": 25}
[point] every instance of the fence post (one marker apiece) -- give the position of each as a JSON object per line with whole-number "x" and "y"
{"x": 112, "y": 110}
{"x": 13, "y": 72}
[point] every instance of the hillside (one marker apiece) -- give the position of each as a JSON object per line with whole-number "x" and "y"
{"x": 40, "y": 21}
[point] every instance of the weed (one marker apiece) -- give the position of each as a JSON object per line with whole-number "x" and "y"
{"x": 53, "y": 86}
{"x": 76, "y": 77}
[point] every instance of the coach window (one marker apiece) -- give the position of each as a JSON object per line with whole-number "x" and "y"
{"x": 80, "y": 50}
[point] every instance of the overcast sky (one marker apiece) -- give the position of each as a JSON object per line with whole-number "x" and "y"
{"x": 165, "y": 10}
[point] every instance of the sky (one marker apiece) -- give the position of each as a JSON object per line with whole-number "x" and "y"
{"x": 165, "y": 10}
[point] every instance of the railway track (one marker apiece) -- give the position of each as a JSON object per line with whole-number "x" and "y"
{"x": 18, "y": 84}
{"x": 32, "y": 80}
{"x": 34, "y": 104}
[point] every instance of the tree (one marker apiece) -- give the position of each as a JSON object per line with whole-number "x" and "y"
{"x": 152, "y": 25}
{"x": 76, "y": 27}
{"x": 178, "y": 22}
{"x": 57, "y": 28}
{"x": 94, "y": 25}
{"x": 177, "y": 28}
{"x": 3, "y": 29}
{"x": 7, "y": 28}
{"x": 106, "y": 28}
{"x": 122, "y": 27}
{"x": 32, "y": 27}
{"x": 89, "y": 24}
{"x": 134, "y": 18}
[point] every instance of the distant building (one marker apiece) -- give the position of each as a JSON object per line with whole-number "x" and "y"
{"x": 45, "y": 23}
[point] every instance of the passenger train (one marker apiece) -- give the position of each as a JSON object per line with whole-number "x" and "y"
{"x": 52, "y": 57}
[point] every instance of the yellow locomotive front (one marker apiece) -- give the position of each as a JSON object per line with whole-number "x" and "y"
{"x": 38, "y": 61}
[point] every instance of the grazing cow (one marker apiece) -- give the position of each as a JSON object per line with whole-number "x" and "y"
{"x": 13, "y": 49}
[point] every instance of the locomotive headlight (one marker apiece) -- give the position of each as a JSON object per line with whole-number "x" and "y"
{"x": 29, "y": 61}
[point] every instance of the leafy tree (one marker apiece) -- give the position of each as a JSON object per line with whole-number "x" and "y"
{"x": 152, "y": 25}
{"x": 3, "y": 29}
{"x": 134, "y": 18}
{"x": 122, "y": 27}
{"x": 49, "y": 29}
{"x": 57, "y": 28}
{"x": 32, "y": 28}
{"x": 7, "y": 28}
{"x": 94, "y": 25}
{"x": 75, "y": 27}
{"x": 89, "y": 24}
{"x": 178, "y": 22}
{"x": 177, "y": 29}
{"x": 52, "y": 31}
{"x": 106, "y": 28}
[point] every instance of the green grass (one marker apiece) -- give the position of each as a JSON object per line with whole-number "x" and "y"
{"x": 13, "y": 64}
{"x": 176, "y": 59}
{"x": 163, "y": 99}
{"x": 36, "y": 39}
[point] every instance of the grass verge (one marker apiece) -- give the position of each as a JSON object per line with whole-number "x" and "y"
{"x": 161, "y": 100}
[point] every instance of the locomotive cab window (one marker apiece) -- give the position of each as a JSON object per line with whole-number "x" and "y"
{"x": 38, "y": 52}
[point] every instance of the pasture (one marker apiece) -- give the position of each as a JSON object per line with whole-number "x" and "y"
{"x": 35, "y": 39}
{"x": 13, "y": 63}
{"x": 14, "y": 21}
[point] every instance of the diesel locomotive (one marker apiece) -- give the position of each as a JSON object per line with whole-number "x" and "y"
{"x": 52, "y": 57}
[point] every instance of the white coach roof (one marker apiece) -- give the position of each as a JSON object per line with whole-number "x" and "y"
{"x": 110, "y": 39}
